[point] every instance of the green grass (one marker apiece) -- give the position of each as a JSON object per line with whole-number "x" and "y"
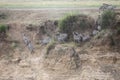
{"x": 56, "y": 4}
{"x": 3, "y": 28}
{"x": 108, "y": 19}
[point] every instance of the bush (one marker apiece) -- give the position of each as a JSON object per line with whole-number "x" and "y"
{"x": 108, "y": 19}
{"x": 72, "y": 23}
{"x": 3, "y": 28}
{"x": 66, "y": 24}
{"x": 2, "y": 16}
{"x": 118, "y": 31}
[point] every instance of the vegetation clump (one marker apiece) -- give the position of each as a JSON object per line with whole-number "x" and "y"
{"x": 108, "y": 19}
{"x": 67, "y": 23}
{"x": 72, "y": 23}
{"x": 118, "y": 30}
{"x": 3, "y": 28}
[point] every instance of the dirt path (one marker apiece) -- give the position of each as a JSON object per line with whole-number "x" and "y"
{"x": 36, "y": 16}
{"x": 72, "y": 8}
{"x": 42, "y": 14}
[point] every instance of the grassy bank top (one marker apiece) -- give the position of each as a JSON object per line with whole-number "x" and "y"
{"x": 56, "y": 4}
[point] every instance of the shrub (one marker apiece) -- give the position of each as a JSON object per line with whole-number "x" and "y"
{"x": 2, "y": 16}
{"x": 108, "y": 18}
{"x": 66, "y": 24}
{"x": 118, "y": 31}
{"x": 72, "y": 23}
{"x": 3, "y": 34}
{"x": 3, "y": 28}
{"x": 112, "y": 42}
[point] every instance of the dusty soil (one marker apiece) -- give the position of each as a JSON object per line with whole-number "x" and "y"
{"x": 17, "y": 63}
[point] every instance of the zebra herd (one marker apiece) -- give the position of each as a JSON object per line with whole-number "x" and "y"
{"x": 62, "y": 37}
{"x": 77, "y": 37}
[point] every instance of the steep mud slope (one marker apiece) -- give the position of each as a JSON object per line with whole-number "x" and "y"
{"x": 96, "y": 59}
{"x": 91, "y": 61}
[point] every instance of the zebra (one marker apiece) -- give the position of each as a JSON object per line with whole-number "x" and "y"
{"x": 99, "y": 28}
{"x": 61, "y": 37}
{"x": 28, "y": 43}
{"x": 85, "y": 38}
{"x": 25, "y": 39}
{"x": 30, "y": 47}
{"x": 45, "y": 41}
{"x": 77, "y": 37}
{"x": 94, "y": 32}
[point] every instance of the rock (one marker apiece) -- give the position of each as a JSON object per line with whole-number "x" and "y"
{"x": 24, "y": 64}
{"x": 16, "y": 60}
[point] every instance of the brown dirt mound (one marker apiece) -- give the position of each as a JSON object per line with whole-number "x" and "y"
{"x": 62, "y": 58}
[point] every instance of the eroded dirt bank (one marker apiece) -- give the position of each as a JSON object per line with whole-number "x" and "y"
{"x": 92, "y": 61}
